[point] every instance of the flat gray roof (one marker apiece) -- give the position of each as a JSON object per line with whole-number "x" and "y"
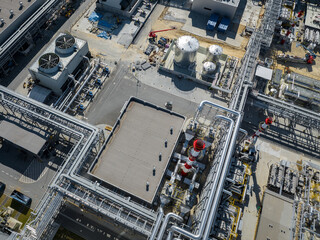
{"x": 22, "y": 137}
{"x": 263, "y": 72}
{"x": 312, "y": 11}
{"x": 7, "y": 5}
{"x": 133, "y": 149}
{"x": 276, "y": 217}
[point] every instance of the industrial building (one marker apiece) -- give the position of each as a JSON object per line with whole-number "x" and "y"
{"x": 312, "y": 19}
{"x": 131, "y": 169}
{"x": 291, "y": 202}
{"x": 13, "y": 14}
{"x": 122, "y": 7}
{"x": 224, "y": 8}
{"x": 275, "y": 217}
{"x": 22, "y": 26}
{"x": 157, "y": 174}
{"x": 58, "y": 61}
{"x": 163, "y": 180}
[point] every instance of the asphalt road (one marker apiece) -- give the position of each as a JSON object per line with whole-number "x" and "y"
{"x": 120, "y": 86}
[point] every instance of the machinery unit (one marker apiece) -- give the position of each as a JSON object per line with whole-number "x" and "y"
{"x": 186, "y": 50}
{"x": 208, "y": 68}
{"x": 301, "y": 90}
{"x": 299, "y": 182}
{"x": 214, "y": 53}
{"x": 58, "y": 61}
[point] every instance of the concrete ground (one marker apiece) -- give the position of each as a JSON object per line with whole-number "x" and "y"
{"x": 196, "y": 24}
{"x": 205, "y": 41}
{"x": 269, "y": 152}
{"x": 310, "y": 70}
{"x": 20, "y": 171}
{"x": 121, "y": 85}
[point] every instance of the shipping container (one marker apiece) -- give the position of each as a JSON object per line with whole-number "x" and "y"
{"x": 224, "y": 24}
{"x": 212, "y": 22}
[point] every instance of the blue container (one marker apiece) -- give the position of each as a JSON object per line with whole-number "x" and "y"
{"x": 212, "y": 22}
{"x": 224, "y": 24}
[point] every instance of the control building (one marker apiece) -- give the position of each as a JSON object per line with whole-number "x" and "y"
{"x": 224, "y": 8}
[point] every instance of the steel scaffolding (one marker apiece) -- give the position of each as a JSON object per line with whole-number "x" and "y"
{"x": 303, "y": 139}
{"x": 80, "y": 135}
{"x": 260, "y": 38}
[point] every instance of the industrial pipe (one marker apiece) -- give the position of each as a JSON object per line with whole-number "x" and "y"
{"x": 216, "y": 180}
{"x": 165, "y": 222}
{"x": 222, "y": 180}
{"x": 85, "y": 82}
{"x": 173, "y": 176}
{"x": 157, "y": 224}
{"x": 80, "y": 79}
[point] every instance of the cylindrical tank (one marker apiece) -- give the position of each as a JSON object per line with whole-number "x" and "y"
{"x": 186, "y": 50}
{"x": 214, "y": 53}
{"x": 208, "y": 68}
{"x": 65, "y": 44}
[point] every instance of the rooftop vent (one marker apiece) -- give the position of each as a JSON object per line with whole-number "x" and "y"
{"x": 11, "y": 13}
{"x": 49, "y": 63}
{"x": 65, "y": 44}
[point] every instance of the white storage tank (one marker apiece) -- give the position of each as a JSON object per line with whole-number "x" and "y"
{"x": 186, "y": 50}
{"x": 214, "y": 53}
{"x": 208, "y": 68}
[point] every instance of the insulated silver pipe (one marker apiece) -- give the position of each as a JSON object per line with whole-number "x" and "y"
{"x": 222, "y": 181}
{"x": 175, "y": 171}
{"x": 215, "y": 183}
{"x": 165, "y": 222}
{"x": 87, "y": 79}
{"x": 158, "y": 222}
{"x": 214, "y": 105}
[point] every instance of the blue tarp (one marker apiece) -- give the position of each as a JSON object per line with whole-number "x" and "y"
{"x": 94, "y": 17}
{"x": 224, "y": 24}
{"x": 104, "y": 25}
{"x": 212, "y": 22}
{"x": 104, "y": 35}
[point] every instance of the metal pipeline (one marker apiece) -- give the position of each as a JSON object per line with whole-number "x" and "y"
{"x": 165, "y": 222}
{"x": 78, "y": 82}
{"x": 215, "y": 204}
{"x": 216, "y": 180}
{"x": 312, "y": 232}
{"x": 85, "y": 82}
{"x": 170, "y": 235}
{"x": 245, "y": 134}
{"x": 194, "y": 176}
{"x": 214, "y": 105}
{"x": 158, "y": 222}
{"x": 175, "y": 171}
